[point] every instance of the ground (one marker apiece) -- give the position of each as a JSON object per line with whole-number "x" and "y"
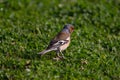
{"x": 27, "y": 26}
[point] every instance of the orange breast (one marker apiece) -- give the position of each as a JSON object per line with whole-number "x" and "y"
{"x": 63, "y": 47}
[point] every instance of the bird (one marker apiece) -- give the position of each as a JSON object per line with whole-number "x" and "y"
{"x": 60, "y": 42}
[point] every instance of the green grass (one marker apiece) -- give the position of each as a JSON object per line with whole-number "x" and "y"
{"x": 27, "y": 26}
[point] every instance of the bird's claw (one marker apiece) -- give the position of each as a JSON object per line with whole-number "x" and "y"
{"x": 56, "y": 58}
{"x": 59, "y": 58}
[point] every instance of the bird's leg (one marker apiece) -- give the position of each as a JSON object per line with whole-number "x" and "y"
{"x": 62, "y": 55}
{"x": 58, "y": 57}
{"x": 58, "y": 53}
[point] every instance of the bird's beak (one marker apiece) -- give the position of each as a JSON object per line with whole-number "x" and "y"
{"x": 71, "y": 29}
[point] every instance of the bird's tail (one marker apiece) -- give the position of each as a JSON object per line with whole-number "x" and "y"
{"x": 45, "y": 51}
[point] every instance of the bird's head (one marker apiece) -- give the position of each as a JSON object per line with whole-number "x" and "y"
{"x": 69, "y": 27}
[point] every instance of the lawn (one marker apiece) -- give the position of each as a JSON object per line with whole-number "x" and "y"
{"x": 27, "y": 26}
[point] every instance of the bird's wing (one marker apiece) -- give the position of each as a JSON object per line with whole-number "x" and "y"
{"x": 56, "y": 44}
{"x": 61, "y": 42}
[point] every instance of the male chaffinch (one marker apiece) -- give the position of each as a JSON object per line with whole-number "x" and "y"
{"x": 60, "y": 42}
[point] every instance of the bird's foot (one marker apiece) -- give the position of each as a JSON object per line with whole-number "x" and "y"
{"x": 56, "y": 58}
{"x": 59, "y": 58}
{"x": 63, "y": 57}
